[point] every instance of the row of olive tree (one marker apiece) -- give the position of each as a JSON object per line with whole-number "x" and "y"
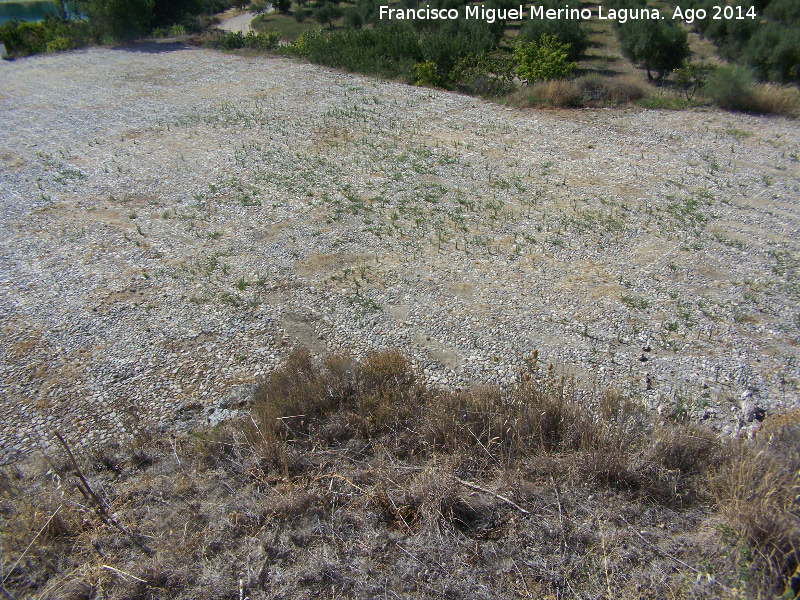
{"x": 768, "y": 43}
{"x": 658, "y": 45}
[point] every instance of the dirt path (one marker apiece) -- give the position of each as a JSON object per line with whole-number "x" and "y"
{"x": 240, "y": 22}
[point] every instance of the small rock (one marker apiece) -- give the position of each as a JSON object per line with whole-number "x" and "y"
{"x": 752, "y": 411}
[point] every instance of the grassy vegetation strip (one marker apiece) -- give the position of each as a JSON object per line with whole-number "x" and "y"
{"x": 355, "y": 480}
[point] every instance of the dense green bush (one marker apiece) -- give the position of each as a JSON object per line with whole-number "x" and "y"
{"x": 51, "y": 35}
{"x": 390, "y": 51}
{"x": 118, "y": 19}
{"x": 566, "y": 31}
{"x": 174, "y": 31}
{"x": 543, "y": 60}
{"x": 425, "y": 74}
{"x": 783, "y": 11}
{"x": 485, "y": 74}
{"x": 769, "y": 44}
{"x": 655, "y": 44}
{"x": 774, "y": 52}
{"x": 731, "y": 87}
{"x": 255, "y": 41}
{"x": 734, "y": 87}
{"x": 451, "y": 42}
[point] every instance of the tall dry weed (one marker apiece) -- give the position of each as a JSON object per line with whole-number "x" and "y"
{"x": 757, "y": 492}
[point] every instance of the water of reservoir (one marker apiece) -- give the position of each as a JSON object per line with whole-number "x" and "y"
{"x": 31, "y": 10}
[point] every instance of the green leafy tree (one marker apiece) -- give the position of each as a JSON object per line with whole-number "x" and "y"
{"x": 692, "y": 77}
{"x": 543, "y": 60}
{"x": 327, "y": 14}
{"x": 774, "y": 52}
{"x": 354, "y": 18}
{"x": 119, "y": 19}
{"x": 655, "y": 44}
{"x": 259, "y": 6}
{"x": 282, "y": 6}
{"x": 567, "y": 31}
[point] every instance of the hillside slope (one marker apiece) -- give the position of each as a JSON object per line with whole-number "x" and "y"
{"x": 174, "y": 220}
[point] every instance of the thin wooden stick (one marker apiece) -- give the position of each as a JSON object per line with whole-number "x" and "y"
{"x": 660, "y": 552}
{"x": 491, "y": 493}
{"x": 560, "y": 515}
{"x": 125, "y": 574}
{"x": 337, "y": 476}
{"x": 484, "y": 448}
{"x": 31, "y": 544}
{"x": 100, "y": 508}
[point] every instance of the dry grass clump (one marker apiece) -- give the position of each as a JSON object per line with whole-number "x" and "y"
{"x": 769, "y": 98}
{"x": 590, "y": 90}
{"x": 765, "y": 99}
{"x": 544, "y": 415}
{"x": 295, "y": 394}
{"x": 757, "y": 492}
{"x": 599, "y": 90}
{"x": 343, "y": 400}
{"x": 556, "y": 93}
{"x": 358, "y": 481}
{"x": 35, "y": 524}
{"x": 735, "y": 88}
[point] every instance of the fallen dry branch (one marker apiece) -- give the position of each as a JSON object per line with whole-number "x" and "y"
{"x": 99, "y": 505}
{"x": 123, "y": 573}
{"x": 491, "y": 493}
{"x": 38, "y": 533}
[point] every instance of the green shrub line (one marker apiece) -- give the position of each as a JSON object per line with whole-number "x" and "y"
{"x": 107, "y": 22}
{"x": 50, "y": 35}
{"x": 472, "y": 57}
{"x": 252, "y": 40}
{"x": 768, "y": 44}
{"x": 538, "y": 73}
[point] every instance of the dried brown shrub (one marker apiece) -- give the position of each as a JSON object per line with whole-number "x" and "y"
{"x": 757, "y": 490}
{"x": 768, "y": 98}
{"x": 599, "y": 90}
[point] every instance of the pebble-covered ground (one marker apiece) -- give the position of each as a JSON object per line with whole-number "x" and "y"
{"x": 174, "y": 220}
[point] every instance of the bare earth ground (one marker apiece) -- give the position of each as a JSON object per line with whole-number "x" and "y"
{"x": 173, "y": 220}
{"x": 238, "y": 23}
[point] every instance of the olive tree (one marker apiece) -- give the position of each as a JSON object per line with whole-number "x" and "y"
{"x": 655, "y": 44}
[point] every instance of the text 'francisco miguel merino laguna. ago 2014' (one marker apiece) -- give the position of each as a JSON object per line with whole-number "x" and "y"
{"x": 621, "y": 15}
